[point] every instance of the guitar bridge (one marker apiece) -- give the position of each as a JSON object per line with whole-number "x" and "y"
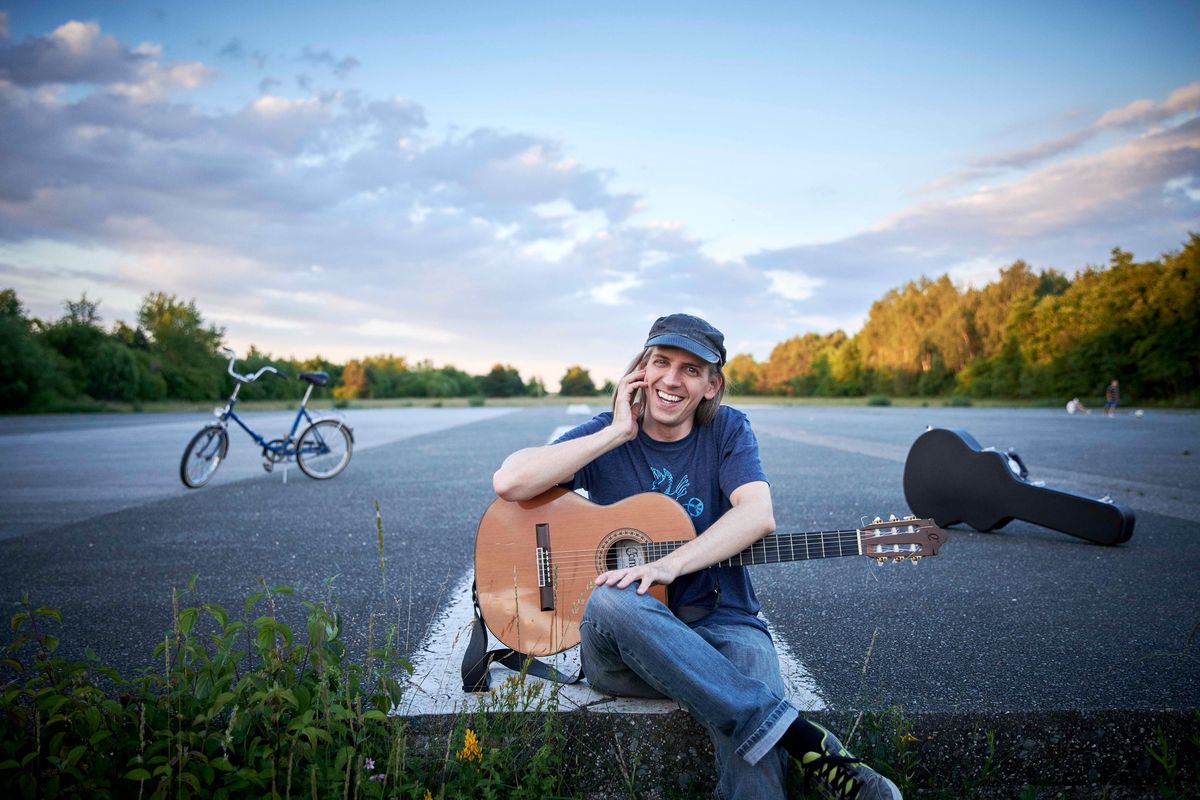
{"x": 545, "y": 577}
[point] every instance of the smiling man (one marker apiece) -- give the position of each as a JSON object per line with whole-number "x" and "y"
{"x": 707, "y": 649}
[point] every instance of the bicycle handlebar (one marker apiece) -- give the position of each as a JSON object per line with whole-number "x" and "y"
{"x": 246, "y": 378}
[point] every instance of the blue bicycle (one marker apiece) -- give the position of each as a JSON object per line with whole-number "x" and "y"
{"x": 322, "y": 451}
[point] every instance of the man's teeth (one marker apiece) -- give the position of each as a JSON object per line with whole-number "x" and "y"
{"x": 670, "y": 398}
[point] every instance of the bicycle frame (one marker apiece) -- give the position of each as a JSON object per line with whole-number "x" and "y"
{"x": 287, "y": 448}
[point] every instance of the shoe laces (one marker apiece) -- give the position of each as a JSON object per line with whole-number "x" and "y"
{"x": 837, "y": 773}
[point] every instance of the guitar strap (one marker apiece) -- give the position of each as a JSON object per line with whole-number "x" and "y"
{"x": 478, "y": 659}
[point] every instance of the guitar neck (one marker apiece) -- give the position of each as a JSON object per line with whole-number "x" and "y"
{"x": 781, "y": 547}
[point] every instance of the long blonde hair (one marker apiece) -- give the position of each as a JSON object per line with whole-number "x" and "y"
{"x": 706, "y": 412}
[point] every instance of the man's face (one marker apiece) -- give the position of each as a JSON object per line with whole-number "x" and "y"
{"x": 676, "y": 383}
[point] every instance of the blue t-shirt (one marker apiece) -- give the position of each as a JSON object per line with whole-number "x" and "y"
{"x": 700, "y": 471}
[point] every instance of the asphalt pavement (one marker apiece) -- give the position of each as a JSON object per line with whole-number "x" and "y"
{"x": 93, "y": 521}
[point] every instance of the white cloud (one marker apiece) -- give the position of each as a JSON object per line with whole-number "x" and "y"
{"x": 792, "y": 285}
{"x": 402, "y": 333}
{"x": 612, "y": 292}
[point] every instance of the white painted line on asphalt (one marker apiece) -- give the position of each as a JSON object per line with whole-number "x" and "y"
{"x": 435, "y": 686}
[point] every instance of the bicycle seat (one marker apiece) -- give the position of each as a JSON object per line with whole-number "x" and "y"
{"x": 315, "y": 378}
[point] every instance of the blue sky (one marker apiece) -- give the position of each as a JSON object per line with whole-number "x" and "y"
{"x": 533, "y": 183}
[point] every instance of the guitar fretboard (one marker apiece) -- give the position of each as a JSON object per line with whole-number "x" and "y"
{"x": 779, "y": 547}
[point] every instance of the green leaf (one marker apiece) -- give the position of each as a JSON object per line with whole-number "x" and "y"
{"x": 253, "y": 600}
{"x": 217, "y": 613}
{"x": 138, "y": 774}
{"x": 76, "y": 753}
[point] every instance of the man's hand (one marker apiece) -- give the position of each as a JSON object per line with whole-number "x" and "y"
{"x": 625, "y": 411}
{"x": 645, "y": 575}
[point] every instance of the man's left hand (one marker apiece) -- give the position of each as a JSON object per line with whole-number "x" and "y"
{"x": 645, "y": 575}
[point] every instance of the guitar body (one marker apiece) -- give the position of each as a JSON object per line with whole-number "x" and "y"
{"x": 532, "y": 604}
{"x": 948, "y": 477}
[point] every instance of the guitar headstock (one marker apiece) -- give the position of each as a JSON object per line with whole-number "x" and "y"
{"x": 896, "y": 539}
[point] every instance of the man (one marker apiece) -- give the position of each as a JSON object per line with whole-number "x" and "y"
{"x": 1112, "y": 398}
{"x": 707, "y": 649}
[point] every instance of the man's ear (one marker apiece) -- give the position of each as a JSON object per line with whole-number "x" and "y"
{"x": 715, "y": 382}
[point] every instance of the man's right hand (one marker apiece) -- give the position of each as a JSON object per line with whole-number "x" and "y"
{"x": 626, "y": 412}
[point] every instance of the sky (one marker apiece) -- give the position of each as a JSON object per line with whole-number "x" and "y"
{"x": 532, "y": 183}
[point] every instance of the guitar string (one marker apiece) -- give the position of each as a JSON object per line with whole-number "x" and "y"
{"x": 777, "y": 545}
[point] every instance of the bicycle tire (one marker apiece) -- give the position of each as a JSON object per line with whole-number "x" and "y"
{"x": 324, "y": 449}
{"x": 203, "y": 455}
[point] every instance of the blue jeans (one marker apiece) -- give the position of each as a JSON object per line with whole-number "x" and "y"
{"x": 726, "y": 676}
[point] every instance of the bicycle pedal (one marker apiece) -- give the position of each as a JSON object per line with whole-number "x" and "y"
{"x": 268, "y": 466}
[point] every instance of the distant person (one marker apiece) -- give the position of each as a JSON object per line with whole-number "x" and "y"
{"x": 1112, "y": 398}
{"x": 1075, "y": 405}
{"x": 708, "y": 649}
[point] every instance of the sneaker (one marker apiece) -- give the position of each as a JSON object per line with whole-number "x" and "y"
{"x": 839, "y": 775}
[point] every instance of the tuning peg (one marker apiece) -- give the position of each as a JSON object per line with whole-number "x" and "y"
{"x": 915, "y": 559}
{"x": 897, "y": 559}
{"x": 892, "y": 518}
{"x": 876, "y": 521}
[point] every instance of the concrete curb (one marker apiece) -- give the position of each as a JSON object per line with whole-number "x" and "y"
{"x": 1042, "y": 754}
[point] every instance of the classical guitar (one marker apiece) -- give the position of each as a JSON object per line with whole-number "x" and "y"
{"x": 536, "y": 561}
{"x": 950, "y": 478}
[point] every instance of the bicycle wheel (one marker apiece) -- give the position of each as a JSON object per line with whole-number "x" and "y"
{"x": 203, "y": 455}
{"x": 324, "y": 449}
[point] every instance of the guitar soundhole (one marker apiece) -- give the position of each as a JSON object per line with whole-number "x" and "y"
{"x": 621, "y": 549}
{"x": 623, "y": 554}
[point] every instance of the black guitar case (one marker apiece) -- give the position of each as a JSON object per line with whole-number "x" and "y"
{"x": 950, "y": 478}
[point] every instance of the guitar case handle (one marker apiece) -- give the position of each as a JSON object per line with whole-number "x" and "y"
{"x": 478, "y": 659}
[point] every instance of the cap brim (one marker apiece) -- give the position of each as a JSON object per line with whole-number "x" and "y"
{"x": 691, "y": 345}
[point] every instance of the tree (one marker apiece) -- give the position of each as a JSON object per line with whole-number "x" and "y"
{"x": 184, "y": 350}
{"x": 112, "y": 372}
{"x": 353, "y": 383}
{"x": 26, "y": 368}
{"x": 577, "y": 383}
{"x": 502, "y": 381}
{"x": 743, "y": 375}
{"x": 536, "y": 387}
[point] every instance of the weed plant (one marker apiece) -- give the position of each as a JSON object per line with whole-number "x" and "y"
{"x": 249, "y": 708}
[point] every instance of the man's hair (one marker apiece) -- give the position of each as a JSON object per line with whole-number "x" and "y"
{"x": 706, "y": 412}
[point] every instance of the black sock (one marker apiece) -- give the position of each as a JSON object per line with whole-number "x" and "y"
{"x": 802, "y": 737}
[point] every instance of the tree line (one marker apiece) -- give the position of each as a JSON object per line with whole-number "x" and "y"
{"x": 1026, "y": 335}
{"x": 1029, "y": 334}
{"x": 170, "y": 353}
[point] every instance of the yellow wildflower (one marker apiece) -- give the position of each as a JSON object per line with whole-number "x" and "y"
{"x": 428, "y": 795}
{"x": 471, "y": 750}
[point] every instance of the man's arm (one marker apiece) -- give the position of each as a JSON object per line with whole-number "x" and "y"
{"x": 751, "y": 517}
{"x": 529, "y": 472}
